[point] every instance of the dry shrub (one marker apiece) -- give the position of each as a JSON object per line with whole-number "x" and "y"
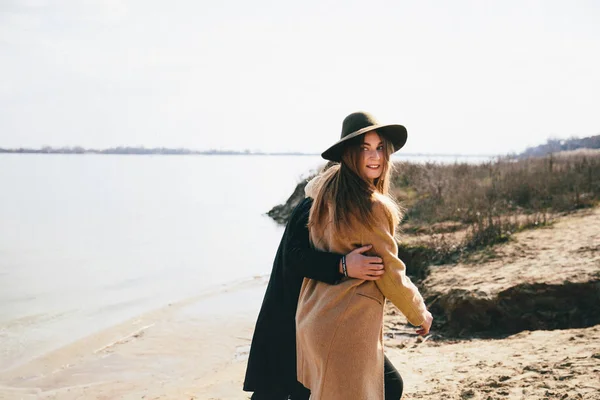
{"x": 469, "y": 194}
{"x": 491, "y": 200}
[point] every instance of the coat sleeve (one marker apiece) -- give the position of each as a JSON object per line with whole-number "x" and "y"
{"x": 394, "y": 284}
{"x": 300, "y": 258}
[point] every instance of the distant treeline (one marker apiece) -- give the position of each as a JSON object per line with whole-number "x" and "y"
{"x": 551, "y": 146}
{"x": 183, "y": 151}
{"x": 556, "y": 145}
{"x": 139, "y": 150}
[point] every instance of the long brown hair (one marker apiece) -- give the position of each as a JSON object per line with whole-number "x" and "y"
{"x": 348, "y": 195}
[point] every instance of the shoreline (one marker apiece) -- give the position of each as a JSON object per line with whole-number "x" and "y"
{"x": 184, "y": 344}
{"x": 197, "y": 350}
{"x": 20, "y": 331}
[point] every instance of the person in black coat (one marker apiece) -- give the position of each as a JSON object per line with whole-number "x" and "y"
{"x": 271, "y": 369}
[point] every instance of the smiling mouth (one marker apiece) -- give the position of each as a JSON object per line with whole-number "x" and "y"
{"x": 373, "y": 166}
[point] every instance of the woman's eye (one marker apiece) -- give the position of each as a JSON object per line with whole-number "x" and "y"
{"x": 380, "y": 148}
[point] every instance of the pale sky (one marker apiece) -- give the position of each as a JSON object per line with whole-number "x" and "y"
{"x": 462, "y": 76}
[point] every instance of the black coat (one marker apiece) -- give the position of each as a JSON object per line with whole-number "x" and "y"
{"x": 272, "y": 359}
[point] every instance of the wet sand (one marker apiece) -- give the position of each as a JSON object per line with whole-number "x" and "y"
{"x": 180, "y": 351}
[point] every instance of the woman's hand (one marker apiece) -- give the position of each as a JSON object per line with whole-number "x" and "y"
{"x": 426, "y": 325}
{"x": 363, "y": 267}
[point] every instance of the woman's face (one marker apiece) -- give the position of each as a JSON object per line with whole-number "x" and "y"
{"x": 372, "y": 157}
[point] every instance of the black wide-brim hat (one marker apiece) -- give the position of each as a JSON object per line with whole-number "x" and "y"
{"x": 362, "y": 122}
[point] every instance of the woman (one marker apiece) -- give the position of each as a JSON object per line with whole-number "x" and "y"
{"x": 271, "y": 369}
{"x": 339, "y": 328}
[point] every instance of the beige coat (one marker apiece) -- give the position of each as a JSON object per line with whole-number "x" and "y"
{"x": 339, "y": 328}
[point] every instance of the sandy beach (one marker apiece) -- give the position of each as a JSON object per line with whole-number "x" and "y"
{"x": 197, "y": 349}
{"x": 193, "y": 349}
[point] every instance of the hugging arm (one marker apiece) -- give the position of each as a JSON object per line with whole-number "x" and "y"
{"x": 303, "y": 260}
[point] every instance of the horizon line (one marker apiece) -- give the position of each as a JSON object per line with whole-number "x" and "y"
{"x": 188, "y": 151}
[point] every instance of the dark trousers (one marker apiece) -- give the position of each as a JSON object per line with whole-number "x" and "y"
{"x": 392, "y": 381}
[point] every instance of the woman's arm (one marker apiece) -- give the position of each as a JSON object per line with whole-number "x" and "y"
{"x": 394, "y": 284}
{"x": 301, "y": 259}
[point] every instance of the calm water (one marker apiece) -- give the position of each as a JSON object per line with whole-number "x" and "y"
{"x": 87, "y": 241}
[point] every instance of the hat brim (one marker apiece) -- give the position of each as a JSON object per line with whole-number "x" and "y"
{"x": 396, "y": 134}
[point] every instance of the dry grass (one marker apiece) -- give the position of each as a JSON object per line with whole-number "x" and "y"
{"x": 466, "y": 193}
{"x": 455, "y": 209}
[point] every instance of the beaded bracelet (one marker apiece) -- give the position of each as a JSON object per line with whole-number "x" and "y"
{"x": 344, "y": 269}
